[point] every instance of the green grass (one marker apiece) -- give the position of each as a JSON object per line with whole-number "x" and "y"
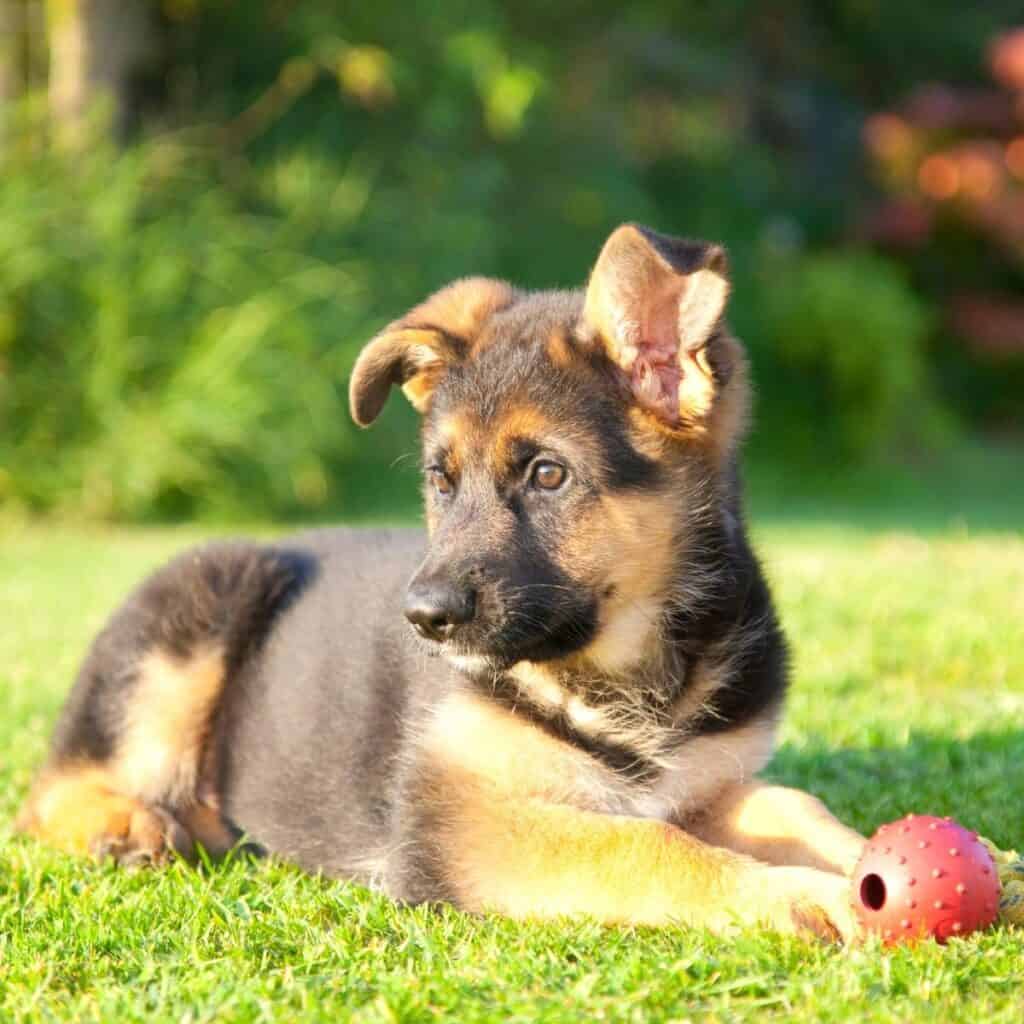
{"x": 908, "y": 695}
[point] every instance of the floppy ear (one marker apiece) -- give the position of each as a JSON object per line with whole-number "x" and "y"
{"x": 656, "y": 304}
{"x": 416, "y": 351}
{"x": 413, "y": 358}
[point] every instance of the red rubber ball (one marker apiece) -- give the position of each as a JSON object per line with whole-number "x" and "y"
{"x": 925, "y": 877}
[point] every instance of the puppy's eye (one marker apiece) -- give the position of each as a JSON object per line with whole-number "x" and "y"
{"x": 439, "y": 480}
{"x": 548, "y": 476}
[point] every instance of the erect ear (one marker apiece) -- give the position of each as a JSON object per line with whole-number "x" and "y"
{"x": 656, "y": 304}
{"x": 416, "y": 351}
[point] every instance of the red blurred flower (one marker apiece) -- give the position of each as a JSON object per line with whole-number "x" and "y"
{"x": 941, "y": 108}
{"x": 888, "y": 137}
{"x": 1015, "y": 157}
{"x": 1006, "y": 59}
{"x": 992, "y": 325}
{"x": 902, "y": 223}
{"x": 981, "y": 169}
{"x": 939, "y": 176}
{"x": 1002, "y": 218}
{"x": 973, "y": 171}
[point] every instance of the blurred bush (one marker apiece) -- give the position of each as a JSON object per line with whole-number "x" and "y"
{"x": 178, "y": 316}
{"x": 166, "y": 348}
{"x": 852, "y": 331}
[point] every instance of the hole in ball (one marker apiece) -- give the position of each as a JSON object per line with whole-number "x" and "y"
{"x": 872, "y": 892}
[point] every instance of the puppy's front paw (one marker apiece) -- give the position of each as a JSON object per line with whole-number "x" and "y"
{"x": 807, "y": 901}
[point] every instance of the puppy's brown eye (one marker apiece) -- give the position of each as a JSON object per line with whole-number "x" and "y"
{"x": 439, "y": 480}
{"x": 548, "y": 476}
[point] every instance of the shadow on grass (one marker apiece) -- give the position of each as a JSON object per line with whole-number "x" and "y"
{"x": 976, "y": 780}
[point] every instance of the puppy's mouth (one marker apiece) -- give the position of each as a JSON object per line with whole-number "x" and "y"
{"x": 557, "y": 634}
{"x": 475, "y": 665}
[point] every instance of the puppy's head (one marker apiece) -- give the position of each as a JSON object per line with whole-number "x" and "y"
{"x": 569, "y": 439}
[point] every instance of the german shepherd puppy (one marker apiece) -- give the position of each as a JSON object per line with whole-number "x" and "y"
{"x": 571, "y": 713}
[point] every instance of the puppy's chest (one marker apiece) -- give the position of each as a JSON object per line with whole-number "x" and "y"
{"x": 701, "y": 768}
{"x": 669, "y": 774}
{"x": 589, "y": 756}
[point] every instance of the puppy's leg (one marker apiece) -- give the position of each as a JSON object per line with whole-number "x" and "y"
{"x": 530, "y": 858}
{"x": 132, "y": 769}
{"x": 133, "y": 800}
{"x": 498, "y": 814}
{"x": 83, "y": 810}
{"x": 780, "y": 825}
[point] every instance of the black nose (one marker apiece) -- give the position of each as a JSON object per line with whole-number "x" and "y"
{"x": 436, "y": 608}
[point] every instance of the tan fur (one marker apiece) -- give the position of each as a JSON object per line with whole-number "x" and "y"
{"x": 781, "y": 826}
{"x": 530, "y": 859}
{"x": 206, "y": 827}
{"x": 698, "y": 771}
{"x": 709, "y": 676}
{"x": 625, "y": 547}
{"x": 463, "y": 307}
{"x": 155, "y": 772}
{"x": 560, "y": 349}
{"x": 522, "y": 422}
{"x": 480, "y": 738}
{"x": 166, "y": 725}
{"x": 540, "y": 684}
{"x": 456, "y": 428}
{"x": 429, "y": 367}
{"x": 649, "y": 437}
{"x": 700, "y": 307}
{"x": 79, "y": 809}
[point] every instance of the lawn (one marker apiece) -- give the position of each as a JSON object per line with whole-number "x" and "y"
{"x": 908, "y": 695}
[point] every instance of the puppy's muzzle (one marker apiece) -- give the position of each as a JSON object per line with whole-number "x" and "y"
{"x": 437, "y": 607}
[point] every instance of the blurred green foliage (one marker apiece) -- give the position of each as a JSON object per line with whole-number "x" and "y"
{"x": 849, "y": 322}
{"x": 177, "y": 317}
{"x": 170, "y": 349}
